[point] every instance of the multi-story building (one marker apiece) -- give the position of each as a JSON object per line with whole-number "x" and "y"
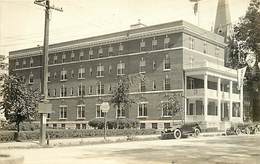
{"x": 164, "y": 59}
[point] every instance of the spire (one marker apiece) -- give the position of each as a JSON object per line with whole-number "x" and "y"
{"x": 223, "y": 19}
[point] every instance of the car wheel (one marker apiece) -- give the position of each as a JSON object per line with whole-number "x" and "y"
{"x": 196, "y": 132}
{"x": 255, "y": 131}
{"x": 238, "y": 131}
{"x": 177, "y": 134}
{"x": 247, "y": 130}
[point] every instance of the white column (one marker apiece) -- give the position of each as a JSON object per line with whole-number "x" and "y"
{"x": 230, "y": 100}
{"x": 219, "y": 98}
{"x": 205, "y": 95}
{"x": 242, "y": 103}
{"x": 185, "y": 98}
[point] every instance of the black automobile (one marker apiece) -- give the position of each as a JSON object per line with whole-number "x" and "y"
{"x": 180, "y": 131}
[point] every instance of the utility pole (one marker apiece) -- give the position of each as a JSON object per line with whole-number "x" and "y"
{"x": 45, "y": 106}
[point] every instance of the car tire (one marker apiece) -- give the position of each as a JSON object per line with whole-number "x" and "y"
{"x": 238, "y": 131}
{"x": 196, "y": 132}
{"x": 255, "y": 131}
{"x": 177, "y": 134}
{"x": 247, "y": 130}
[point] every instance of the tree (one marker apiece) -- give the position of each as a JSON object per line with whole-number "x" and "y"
{"x": 244, "y": 40}
{"x": 120, "y": 95}
{"x": 19, "y": 101}
{"x": 173, "y": 105}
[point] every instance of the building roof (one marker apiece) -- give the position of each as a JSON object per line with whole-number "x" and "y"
{"x": 131, "y": 34}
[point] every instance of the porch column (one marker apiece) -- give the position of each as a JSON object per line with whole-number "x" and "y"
{"x": 219, "y": 98}
{"x": 242, "y": 103}
{"x": 205, "y": 95}
{"x": 230, "y": 99}
{"x": 185, "y": 98}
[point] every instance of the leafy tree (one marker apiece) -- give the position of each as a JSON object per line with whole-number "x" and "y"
{"x": 173, "y": 105}
{"x": 120, "y": 95}
{"x": 19, "y": 101}
{"x": 244, "y": 40}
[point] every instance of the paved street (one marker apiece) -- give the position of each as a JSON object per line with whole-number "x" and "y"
{"x": 202, "y": 150}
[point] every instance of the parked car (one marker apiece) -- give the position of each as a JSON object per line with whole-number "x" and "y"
{"x": 180, "y": 131}
{"x": 246, "y": 128}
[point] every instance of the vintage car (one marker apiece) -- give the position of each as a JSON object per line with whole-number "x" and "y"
{"x": 180, "y": 131}
{"x": 246, "y": 128}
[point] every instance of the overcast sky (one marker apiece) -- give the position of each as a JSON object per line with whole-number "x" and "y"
{"x": 22, "y": 22}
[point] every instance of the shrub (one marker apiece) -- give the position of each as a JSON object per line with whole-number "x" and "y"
{"x": 124, "y": 123}
{"x": 7, "y": 136}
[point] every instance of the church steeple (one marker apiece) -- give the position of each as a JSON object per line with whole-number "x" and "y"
{"x": 223, "y": 19}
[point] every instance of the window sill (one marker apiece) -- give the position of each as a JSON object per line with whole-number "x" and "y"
{"x": 99, "y": 76}
{"x": 62, "y": 118}
{"x": 166, "y": 116}
{"x": 81, "y": 118}
{"x": 30, "y": 83}
{"x": 64, "y": 80}
{"x": 81, "y": 78}
{"x": 99, "y": 117}
{"x": 142, "y": 116}
{"x": 165, "y": 70}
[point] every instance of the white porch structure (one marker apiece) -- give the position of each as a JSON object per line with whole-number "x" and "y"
{"x": 211, "y": 96}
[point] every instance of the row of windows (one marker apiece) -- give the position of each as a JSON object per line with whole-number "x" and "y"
{"x": 99, "y": 88}
{"x": 120, "y": 113}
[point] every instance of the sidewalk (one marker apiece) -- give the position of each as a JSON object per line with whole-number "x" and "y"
{"x": 87, "y": 141}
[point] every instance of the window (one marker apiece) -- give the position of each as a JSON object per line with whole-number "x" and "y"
{"x": 72, "y": 56}
{"x": 142, "y": 66}
{"x": 31, "y": 78}
{"x": 54, "y": 126}
{"x": 100, "y": 70}
{"x": 54, "y": 92}
{"x": 100, "y": 52}
{"x": 81, "y": 90}
{"x": 17, "y": 64}
{"x": 55, "y": 75}
{"x": 120, "y": 113}
{"x": 121, "y": 68}
{"x": 142, "y": 110}
{"x": 71, "y": 91}
{"x": 24, "y": 63}
{"x": 63, "y": 91}
{"x": 121, "y": 47}
{"x": 90, "y": 90}
{"x": 49, "y": 92}
{"x": 109, "y": 88}
{"x": 72, "y": 74}
{"x": 55, "y": 59}
{"x": 142, "y": 86}
{"x": 84, "y": 126}
{"x": 166, "y": 41}
{"x": 167, "y": 62}
{"x": 154, "y": 85}
{"x": 63, "y": 75}
{"x": 91, "y": 54}
{"x": 167, "y": 125}
{"x": 63, "y": 111}
{"x": 91, "y": 71}
{"x": 31, "y": 62}
{"x": 110, "y": 68}
{"x": 154, "y": 44}
{"x": 166, "y": 111}
{"x": 154, "y": 65}
{"x": 49, "y": 76}
{"x": 100, "y": 88}
{"x": 142, "y": 45}
{"x": 154, "y": 126}
{"x": 63, "y": 58}
{"x": 205, "y": 47}
{"x": 142, "y": 125}
{"x": 236, "y": 110}
{"x": 77, "y": 126}
{"x": 167, "y": 83}
{"x": 80, "y": 111}
{"x": 110, "y": 51}
{"x": 81, "y": 73}
{"x": 81, "y": 55}
{"x": 63, "y": 126}
{"x": 99, "y": 113}
{"x": 192, "y": 43}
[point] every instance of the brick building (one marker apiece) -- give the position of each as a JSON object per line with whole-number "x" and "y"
{"x": 164, "y": 59}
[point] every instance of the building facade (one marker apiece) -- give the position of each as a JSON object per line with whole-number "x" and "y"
{"x": 160, "y": 60}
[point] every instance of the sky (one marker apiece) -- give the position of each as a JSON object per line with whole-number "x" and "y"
{"x": 22, "y": 22}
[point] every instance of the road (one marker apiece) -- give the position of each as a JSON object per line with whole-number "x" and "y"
{"x": 201, "y": 150}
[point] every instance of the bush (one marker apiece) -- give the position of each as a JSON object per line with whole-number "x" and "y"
{"x": 124, "y": 123}
{"x": 7, "y": 136}
{"x": 25, "y": 126}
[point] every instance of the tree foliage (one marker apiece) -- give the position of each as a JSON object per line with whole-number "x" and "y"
{"x": 120, "y": 95}
{"x": 19, "y": 101}
{"x": 173, "y": 105}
